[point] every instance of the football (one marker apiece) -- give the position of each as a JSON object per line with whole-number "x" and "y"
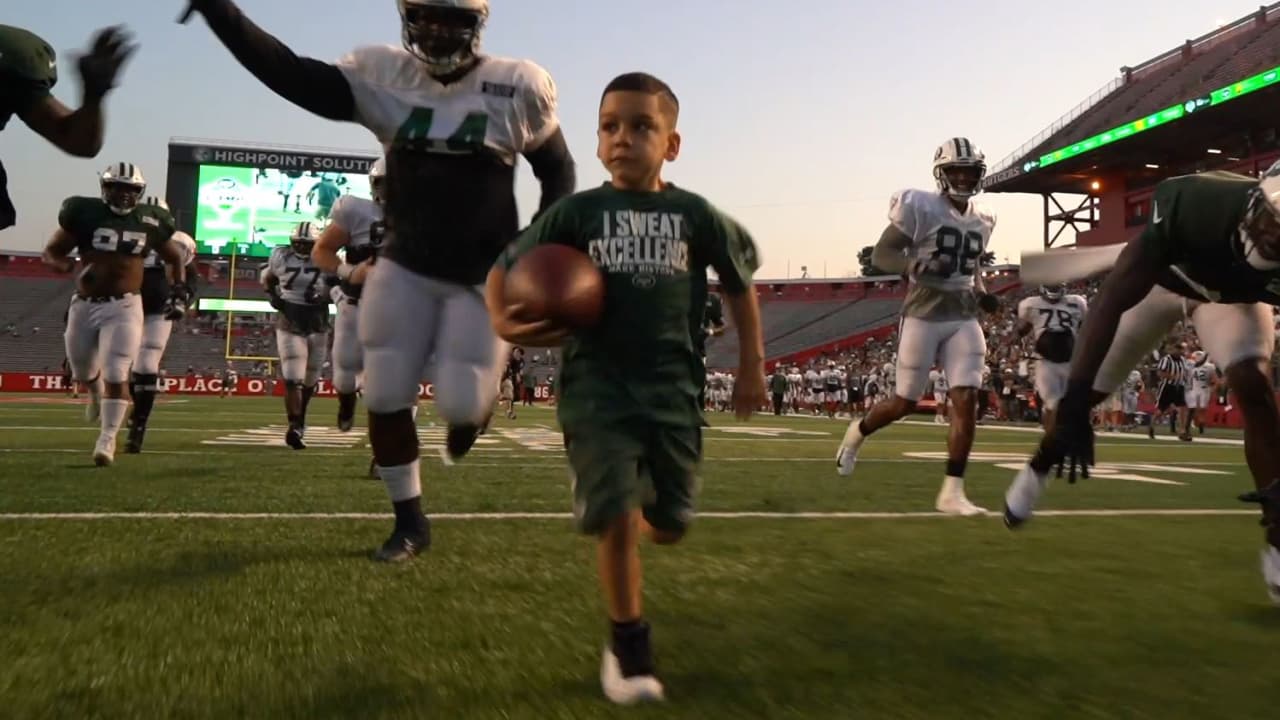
{"x": 557, "y": 283}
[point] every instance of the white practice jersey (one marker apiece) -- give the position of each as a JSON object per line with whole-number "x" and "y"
{"x": 813, "y": 380}
{"x": 1132, "y": 383}
{"x": 831, "y": 379}
{"x": 508, "y": 104}
{"x": 186, "y": 247}
{"x": 1203, "y": 377}
{"x": 299, "y": 278}
{"x": 937, "y": 228}
{"x": 795, "y": 381}
{"x": 361, "y": 219}
{"x": 939, "y": 380}
{"x": 1066, "y": 315}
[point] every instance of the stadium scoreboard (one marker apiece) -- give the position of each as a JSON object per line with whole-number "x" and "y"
{"x": 245, "y": 199}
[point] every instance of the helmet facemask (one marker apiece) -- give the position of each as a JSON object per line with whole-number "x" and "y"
{"x": 120, "y": 196}
{"x": 1260, "y": 232}
{"x": 1052, "y": 293}
{"x": 446, "y": 39}
{"x": 961, "y": 180}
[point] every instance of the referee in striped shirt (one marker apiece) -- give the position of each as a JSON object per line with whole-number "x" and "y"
{"x": 1172, "y": 392}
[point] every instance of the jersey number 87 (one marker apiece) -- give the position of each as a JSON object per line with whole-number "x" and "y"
{"x": 962, "y": 250}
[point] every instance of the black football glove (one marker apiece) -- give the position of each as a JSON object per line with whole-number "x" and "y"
{"x": 175, "y": 307}
{"x": 937, "y": 266}
{"x": 1072, "y": 439}
{"x": 989, "y": 303}
{"x": 100, "y": 66}
{"x": 273, "y": 297}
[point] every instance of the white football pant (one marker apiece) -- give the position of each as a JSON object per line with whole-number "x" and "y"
{"x": 103, "y": 338}
{"x": 301, "y": 356}
{"x": 406, "y": 319}
{"x": 959, "y": 347}
{"x": 1228, "y": 333}
{"x": 1051, "y": 382}
{"x": 348, "y": 356}
{"x": 155, "y": 337}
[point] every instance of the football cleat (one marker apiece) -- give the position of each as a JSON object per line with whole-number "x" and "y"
{"x": 461, "y": 438}
{"x": 955, "y": 503}
{"x": 626, "y": 669}
{"x": 137, "y": 433}
{"x": 847, "y": 455}
{"x": 293, "y": 438}
{"x": 346, "y": 411}
{"x": 1021, "y": 497}
{"x": 403, "y": 546}
{"x": 104, "y": 453}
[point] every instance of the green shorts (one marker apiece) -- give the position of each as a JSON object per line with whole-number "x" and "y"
{"x": 615, "y": 469}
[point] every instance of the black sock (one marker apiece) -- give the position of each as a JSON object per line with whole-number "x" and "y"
{"x": 1042, "y": 462}
{"x": 409, "y": 517}
{"x": 956, "y": 468}
{"x": 295, "y": 421}
{"x": 307, "y": 392}
{"x": 144, "y": 398}
{"x": 862, "y": 428}
{"x": 630, "y": 645}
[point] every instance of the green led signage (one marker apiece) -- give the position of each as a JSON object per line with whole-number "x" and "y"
{"x": 241, "y": 306}
{"x": 1163, "y": 117}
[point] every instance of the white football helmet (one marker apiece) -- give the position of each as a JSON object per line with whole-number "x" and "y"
{"x": 1198, "y": 357}
{"x": 959, "y": 167}
{"x": 122, "y": 186}
{"x": 1052, "y": 293}
{"x": 443, "y": 34}
{"x": 377, "y": 177}
{"x": 1260, "y": 226}
{"x": 304, "y": 238}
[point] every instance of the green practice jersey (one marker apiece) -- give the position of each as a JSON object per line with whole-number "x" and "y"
{"x": 28, "y": 71}
{"x": 95, "y": 227}
{"x": 641, "y": 362}
{"x": 1195, "y": 230}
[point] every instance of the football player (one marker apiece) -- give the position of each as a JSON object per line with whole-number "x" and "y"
{"x": 113, "y": 234}
{"x": 356, "y": 224}
{"x": 1054, "y": 317}
{"x": 939, "y": 380}
{"x": 28, "y": 72}
{"x": 294, "y": 285}
{"x": 453, "y": 123}
{"x": 936, "y": 240}
{"x": 1210, "y": 253}
{"x": 1204, "y": 378}
{"x": 156, "y": 328}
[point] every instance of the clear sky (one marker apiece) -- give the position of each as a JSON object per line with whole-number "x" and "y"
{"x": 799, "y": 118}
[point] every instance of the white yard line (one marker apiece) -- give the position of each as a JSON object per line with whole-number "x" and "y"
{"x": 1137, "y": 512}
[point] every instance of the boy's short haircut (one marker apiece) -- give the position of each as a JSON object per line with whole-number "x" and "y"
{"x": 646, "y": 83}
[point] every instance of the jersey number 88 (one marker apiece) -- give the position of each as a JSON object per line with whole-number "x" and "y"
{"x": 962, "y": 250}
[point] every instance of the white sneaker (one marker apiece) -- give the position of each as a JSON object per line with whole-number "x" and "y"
{"x": 104, "y": 453}
{"x": 847, "y": 455}
{"x": 1271, "y": 573}
{"x": 955, "y": 503}
{"x": 93, "y": 410}
{"x": 627, "y": 690}
{"x": 1023, "y": 494}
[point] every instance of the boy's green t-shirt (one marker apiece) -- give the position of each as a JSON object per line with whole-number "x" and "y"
{"x": 654, "y": 248}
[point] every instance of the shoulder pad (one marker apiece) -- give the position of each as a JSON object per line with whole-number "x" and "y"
{"x": 27, "y": 57}
{"x": 381, "y": 65}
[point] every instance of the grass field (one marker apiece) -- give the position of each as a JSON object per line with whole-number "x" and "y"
{"x": 221, "y": 575}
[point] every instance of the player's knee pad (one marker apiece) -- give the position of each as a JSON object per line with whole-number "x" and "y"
{"x": 390, "y": 381}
